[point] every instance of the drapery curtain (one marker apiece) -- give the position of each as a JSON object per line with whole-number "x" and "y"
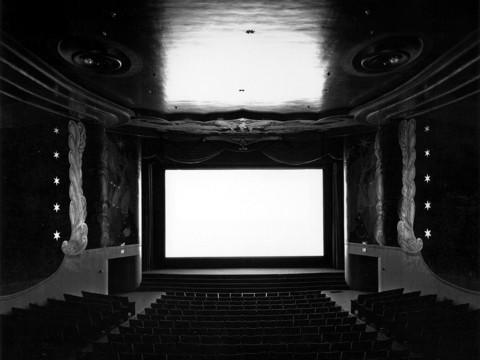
{"x": 147, "y": 219}
{"x": 337, "y": 220}
{"x": 197, "y": 151}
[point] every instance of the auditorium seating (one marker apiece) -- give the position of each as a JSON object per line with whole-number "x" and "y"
{"x": 56, "y": 329}
{"x": 228, "y": 323}
{"x": 436, "y": 329}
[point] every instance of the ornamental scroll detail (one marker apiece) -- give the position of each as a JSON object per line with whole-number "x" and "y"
{"x": 78, "y": 204}
{"x": 380, "y": 215}
{"x": 406, "y": 236}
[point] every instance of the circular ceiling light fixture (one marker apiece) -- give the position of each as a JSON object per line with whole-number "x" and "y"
{"x": 97, "y": 61}
{"x": 98, "y": 57}
{"x": 386, "y": 54}
{"x": 386, "y": 60}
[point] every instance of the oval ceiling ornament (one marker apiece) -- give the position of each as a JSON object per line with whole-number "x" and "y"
{"x": 385, "y": 54}
{"x": 99, "y": 56}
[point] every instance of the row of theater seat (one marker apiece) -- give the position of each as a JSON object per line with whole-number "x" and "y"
{"x": 436, "y": 329}
{"x": 53, "y": 330}
{"x": 235, "y": 331}
{"x": 243, "y": 296}
{"x": 295, "y": 319}
{"x": 251, "y": 321}
{"x": 237, "y": 344}
{"x": 276, "y": 335}
{"x": 117, "y": 351}
{"x": 244, "y": 353}
{"x": 291, "y": 325}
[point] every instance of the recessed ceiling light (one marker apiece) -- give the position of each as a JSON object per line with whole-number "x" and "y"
{"x": 97, "y": 61}
{"x": 99, "y": 57}
{"x": 385, "y": 61}
{"x": 387, "y": 54}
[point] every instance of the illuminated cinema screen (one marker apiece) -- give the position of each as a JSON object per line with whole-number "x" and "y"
{"x": 243, "y": 213}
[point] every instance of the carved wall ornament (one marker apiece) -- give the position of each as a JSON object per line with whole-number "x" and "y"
{"x": 243, "y": 126}
{"x": 78, "y": 204}
{"x": 406, "y": 236}
{"x": 380, "y": 215}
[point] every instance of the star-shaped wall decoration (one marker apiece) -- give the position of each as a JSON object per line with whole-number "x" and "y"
{"x": 427, "y": 153}
{"x": 428, "y": 205}
{"x": 56, "y": 235}
{"x": 56, "y": 207}
{"x": 56, "y": 180}
{"x": 427, "y": 128}
{"x": 428, "y": 233}
{"x": 56, "y": 131}
{"x": 56, "y": 155}
{"x": 427, "y": 178}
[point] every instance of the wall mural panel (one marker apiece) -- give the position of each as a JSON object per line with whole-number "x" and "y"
{"x": 361, "y": 188}
{"x": 379, "y": 191}
{"x": 392, "y": 181}
{"x": 119, "y": 218}
{"x": 374, "y": 185}
{"x": 91, "y": 171}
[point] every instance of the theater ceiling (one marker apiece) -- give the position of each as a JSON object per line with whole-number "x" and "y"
{"x": 239, "y": 67}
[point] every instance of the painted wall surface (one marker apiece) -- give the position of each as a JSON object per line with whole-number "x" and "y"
{"x": 34, "y": 198}
{"x": 448, "y": 194}
{"x": 398, "y": 269}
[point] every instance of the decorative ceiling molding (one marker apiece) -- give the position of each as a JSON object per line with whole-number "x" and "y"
{"x": 243, "y": 126}
{"x": 28, "y": 79}
{"x": 453, "y": 77}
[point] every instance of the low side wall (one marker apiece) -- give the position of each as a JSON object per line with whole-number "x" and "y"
{"x": 397, "y": 269}
{"x": 87, "y": 272}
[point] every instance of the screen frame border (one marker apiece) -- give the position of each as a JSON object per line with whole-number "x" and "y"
{"x": 163, "y": 262}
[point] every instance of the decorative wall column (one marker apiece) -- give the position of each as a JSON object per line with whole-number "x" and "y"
{"x": 380, "y": 215}
{"x": 78, "y": 204}
{"x": 406, "y": 236}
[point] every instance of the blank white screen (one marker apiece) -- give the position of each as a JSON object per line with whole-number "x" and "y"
{"x": 243, "y": 213}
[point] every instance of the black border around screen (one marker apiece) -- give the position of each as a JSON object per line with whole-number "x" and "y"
{"x": 161, "y": 262}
